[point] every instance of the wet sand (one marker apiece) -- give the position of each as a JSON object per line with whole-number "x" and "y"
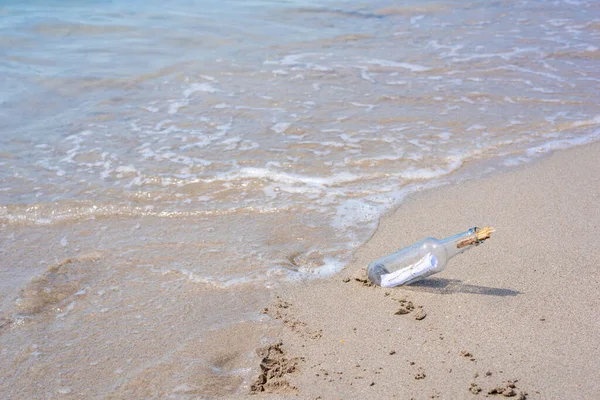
{"x": 516, "y": 317}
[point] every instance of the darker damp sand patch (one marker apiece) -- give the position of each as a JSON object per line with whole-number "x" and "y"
{"x": 48, "y": 289}
{"x": 52, "y": 289}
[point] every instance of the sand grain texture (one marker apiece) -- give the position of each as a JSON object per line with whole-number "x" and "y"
{"x": 516, "y": 317}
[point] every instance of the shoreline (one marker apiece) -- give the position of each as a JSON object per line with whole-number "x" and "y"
{"x": 516, "y": 314}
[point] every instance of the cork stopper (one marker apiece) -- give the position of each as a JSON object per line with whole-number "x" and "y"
{"x": 484, "y": 233}
{"x": 480, "y": 235}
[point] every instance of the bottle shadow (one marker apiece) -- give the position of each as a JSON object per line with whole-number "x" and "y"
{"x": 448, "y": 286}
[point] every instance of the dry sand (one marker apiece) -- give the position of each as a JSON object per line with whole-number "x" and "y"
{"x": 516, "y": 317}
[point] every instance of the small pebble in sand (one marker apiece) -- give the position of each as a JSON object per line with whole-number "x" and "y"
{"x": 361, "y": 277}
{"x": 420, "y": 314}
{"x": 508, "y": 391}
{"x": 475, "y": 389}
{"x": 392, "y": 352}
{"x": 402, "y": 310}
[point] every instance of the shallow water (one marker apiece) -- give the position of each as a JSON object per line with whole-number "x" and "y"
{"x": 211, "y": 149}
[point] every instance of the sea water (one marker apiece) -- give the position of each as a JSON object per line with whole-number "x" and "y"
{"x": 177, "y": 159}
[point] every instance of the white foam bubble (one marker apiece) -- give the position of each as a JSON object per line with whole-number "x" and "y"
{"x": 587, "y": 122}
{"x": 330, "y": 267}
{"x": 453, "y": 163}
{"x": 127, "y": 169}
{"x": 281, "y": 127}
{"x": 514, "y": 161}
{"x": 231, "y": 143}
{"x": 366, "y": 76}
{"x": 283, "y": 177}
{"x": 395, "y": 64}
{"x": 369, "y": 107}
{"x": 564, "y": 143}
{"x": 199, "y": 87}
{"x": 174, "y": 106}
{"x": 416, "y": 18}
{"x": 291, "y": 59}
{"x": 453, "y": 50}
{"x": 503, "y": 55}
{"x": 397, "y": 83}
{"x": 354, "y": 212}
{"x": 476, "y": 127}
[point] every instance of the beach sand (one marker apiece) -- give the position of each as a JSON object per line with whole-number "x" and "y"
{"x": 516, "y": 317}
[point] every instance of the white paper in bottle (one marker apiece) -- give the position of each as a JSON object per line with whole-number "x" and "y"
{"x": 408, "y": 273}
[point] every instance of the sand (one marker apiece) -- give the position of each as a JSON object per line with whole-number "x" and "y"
{"x": 516, "y": 317}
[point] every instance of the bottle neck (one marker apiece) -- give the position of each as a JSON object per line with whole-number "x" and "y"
{"x": 458, "y": 244}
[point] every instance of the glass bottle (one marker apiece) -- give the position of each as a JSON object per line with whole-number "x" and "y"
{"x": 423, "y": 259}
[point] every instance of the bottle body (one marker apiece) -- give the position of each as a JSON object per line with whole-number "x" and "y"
{"x": 420, "y": 260}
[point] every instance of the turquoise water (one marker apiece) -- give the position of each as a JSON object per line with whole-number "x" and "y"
{"x": 206, "y": 151}
{"x": 78, "y": 44}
